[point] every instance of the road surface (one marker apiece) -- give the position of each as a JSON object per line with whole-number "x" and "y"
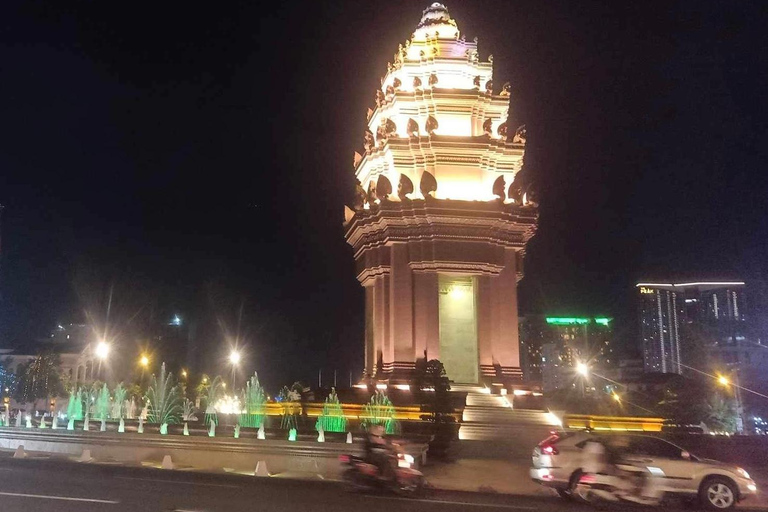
{"x": 61, "y": 486}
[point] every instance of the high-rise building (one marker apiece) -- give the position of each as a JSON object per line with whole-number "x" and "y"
{"x": 685, "y": 322}
{"x": 552, "y": 346}
{"x": 442, "y": 213}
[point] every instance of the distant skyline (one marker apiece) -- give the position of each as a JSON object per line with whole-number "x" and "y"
{"x": 197, "y": 162}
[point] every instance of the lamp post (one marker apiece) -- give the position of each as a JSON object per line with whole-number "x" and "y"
{"x": 583, "y": 370}
{"x": 144, "y": 363}
{"x": 234, "y": 360}
{"x": 102, "y": 351}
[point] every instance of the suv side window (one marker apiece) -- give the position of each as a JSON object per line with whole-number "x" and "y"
{"x": 654, "y": 448}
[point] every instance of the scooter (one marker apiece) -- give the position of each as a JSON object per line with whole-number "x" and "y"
{"x": 362, "y": 475}
{"x": 628, "y": 484}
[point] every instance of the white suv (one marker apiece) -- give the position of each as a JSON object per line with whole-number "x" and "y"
{"x": 557, "y": 463}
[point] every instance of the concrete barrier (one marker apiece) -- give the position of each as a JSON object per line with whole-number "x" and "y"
{"x": 200, "y": 453}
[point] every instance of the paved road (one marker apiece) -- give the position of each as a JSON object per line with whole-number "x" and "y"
{"x": 55, "y": 485}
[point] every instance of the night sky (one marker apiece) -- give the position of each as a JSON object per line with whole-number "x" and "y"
{"x": 194, "y": 159}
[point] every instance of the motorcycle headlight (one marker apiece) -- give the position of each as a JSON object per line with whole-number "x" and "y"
{"x": 742, "y": 472}
{"x": 409, "y": 459}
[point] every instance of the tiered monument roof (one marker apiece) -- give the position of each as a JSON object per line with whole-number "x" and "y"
{"x": 438, "y": 130}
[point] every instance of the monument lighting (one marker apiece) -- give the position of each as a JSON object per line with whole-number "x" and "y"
{"x": 443, "y": 211}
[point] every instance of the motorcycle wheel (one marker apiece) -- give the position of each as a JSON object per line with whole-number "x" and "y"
{"x": 413, "y": 487}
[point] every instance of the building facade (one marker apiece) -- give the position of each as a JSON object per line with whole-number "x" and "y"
{"x": 693, "y": 324}
{"x": 552, "y": 347}
{"x": 442, "y": 212}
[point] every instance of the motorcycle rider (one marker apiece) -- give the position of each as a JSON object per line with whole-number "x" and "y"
{"x": 380, "y": 452}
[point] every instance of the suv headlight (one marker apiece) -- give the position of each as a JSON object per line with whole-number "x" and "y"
{"x": 742, "y": 473}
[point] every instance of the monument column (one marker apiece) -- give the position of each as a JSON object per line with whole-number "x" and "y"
{"x": 505, "y": 339}
{"x": 485, "y": 325}
{"x": 426, "y": 325}
{"x": 401, "y": 307}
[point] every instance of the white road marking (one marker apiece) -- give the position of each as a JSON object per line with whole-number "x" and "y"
{"x": 176, "y": 482}
{"x": 63, "y": 498}
{"x": 463, "y": 503}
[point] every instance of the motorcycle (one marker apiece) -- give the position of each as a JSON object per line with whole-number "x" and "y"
{"x": 363, "y": 475}
{"x": 628, "y": 484}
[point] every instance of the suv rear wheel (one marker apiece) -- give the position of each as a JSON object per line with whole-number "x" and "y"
{"x": 718, "y": 493}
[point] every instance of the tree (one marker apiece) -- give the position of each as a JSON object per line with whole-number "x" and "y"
{"x": 39, "y": 378}
{"x": 721, "y": 414}
{"x": 7, "y": 380}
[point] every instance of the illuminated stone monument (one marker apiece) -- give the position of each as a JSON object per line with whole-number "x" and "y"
{"x": 442, "y": 212}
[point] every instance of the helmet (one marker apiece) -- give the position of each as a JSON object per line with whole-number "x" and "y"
{"x": 376, "y": 430}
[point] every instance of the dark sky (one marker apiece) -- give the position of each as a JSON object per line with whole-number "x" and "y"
{"x": 195, "y": 159}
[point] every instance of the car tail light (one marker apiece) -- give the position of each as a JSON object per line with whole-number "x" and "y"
{"x": 588, "y": 479}
{"x": 344, "y": 459}
{"x": 548, "y": 449}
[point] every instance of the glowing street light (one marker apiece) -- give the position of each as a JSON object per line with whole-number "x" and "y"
{"x": 144, "y": 361}
{"x": 102, "y": 350}
{"x": 234, "y": 359}
{"x": 184, "y": 373}
{"x": 616, "y": 397}
{"x": 582, "y": 369}
{"x": 723, "y": 381}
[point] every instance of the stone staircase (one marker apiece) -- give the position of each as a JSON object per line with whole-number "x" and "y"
{"x": 490, "y": 424}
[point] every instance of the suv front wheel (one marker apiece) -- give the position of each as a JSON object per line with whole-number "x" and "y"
{"x": 718, "y": 493}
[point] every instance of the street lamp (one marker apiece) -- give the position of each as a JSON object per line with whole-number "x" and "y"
{"x": 582, "y": 369}
{"x": 723, "y": 381}
{"x": 102, "y": 350}
{"x": 234, "y": 359}
{"x": 144, "y": 362}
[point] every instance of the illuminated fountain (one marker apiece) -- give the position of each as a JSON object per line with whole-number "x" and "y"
{"x": 118, "y": 407}
{"x": 164, "y": 401}
{"x": 254, "y": 400}
{"x": 380, "y": 411}
{"x": 213, "y": 398}
{"x": 101, "y": 407}
{"x": 188, "y": 414}
{"x": 332, "y": 418}
{"x": 443, "y": 212}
